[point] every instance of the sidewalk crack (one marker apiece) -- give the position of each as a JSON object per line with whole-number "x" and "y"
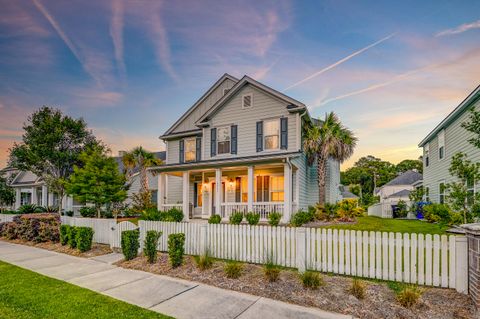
{"x": 247, "y": 307}
{"x": 181, "y": 292}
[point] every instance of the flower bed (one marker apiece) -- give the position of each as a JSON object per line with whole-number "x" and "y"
{"x": 379, "y": 302}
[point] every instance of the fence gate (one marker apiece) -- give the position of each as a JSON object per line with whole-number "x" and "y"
{"x": 116, "y": 239}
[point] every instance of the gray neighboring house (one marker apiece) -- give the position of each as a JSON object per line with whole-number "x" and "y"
{"x": 444, "y": 141}
{"x": 239, "y": 148}
{"x": 30, "y": 189}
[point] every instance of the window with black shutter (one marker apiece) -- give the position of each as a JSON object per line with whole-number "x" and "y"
{"x": 238, "y": 189}
{"x": 233, "y": 138}
{"x": 213, "y": 142}
{"x": 198, "y": 149}
{"x": 284, "y": 133}
{"x": 181, "y": 152}
{"x": 259, "y": 136}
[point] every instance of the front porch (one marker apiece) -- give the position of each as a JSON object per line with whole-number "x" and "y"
{"x": 201, "y": 193}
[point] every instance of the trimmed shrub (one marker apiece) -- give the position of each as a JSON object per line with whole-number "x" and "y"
{"x": 236, "y": 218}
{"x": 64, "y": 232}
{"x": 150, "y": 245}
{"x": 72, "y": 237}
{"x": 88, "y": 212}
{"x": 358, "y": 288}
{"x": 302, "y": 217}
{"x": 84, "y": 238}
{"x": 69, "y": 213}
{"x": 151, "y": 214}
{"x": 204, "y": 261}
{"x": 172, "y": 215}
{"x": 130, "y": 243}
{"x": 106, "y": 214}
{"x": 215, "y": 219}
{"x": 34, "y": 227}
{"x": 176, "y": 243}
{"x": 233, "y": 269}
{"x": 441, "y": 213}
{"x": 408, "y": 296}
{"x": 252, "y": 218}
{"x": 274, "y": 218}
{"x": 311, "y": 279}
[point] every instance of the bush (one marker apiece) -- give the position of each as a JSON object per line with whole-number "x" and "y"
{"x": 215, "y": 219}
{"x": 271, "y": 271}
{"x": 151, "y": 214}
{"x": 204, "y": 261}
{"x": 348, "y": 209}
{"x": 9, "y": 212}
{"x": 358, "y": 288}
{"x": 325, "y": 212}
{"x": 88, "y": 212}
{"x": 441, "y": 213}
{"x": 51, "y": 209}
{"x": 130, "y": 243}
{"x": 233, "y": 269}
{"x": 64, "y": 232}
{"x": 174, "y": 215}
{"x": 176, "y": 244}
{"x": 252, "y": 218}
{"x": 236, "y": 218}
{"x": 30, "y": 209}
{"x": 69, "y": 213}
{"x": 302, "y": 217}
{"x": 274, "y": 218}
{"x": 150, "y": 245}
{"x": 106, "y": 214}
{"x": 72, "y": 237}
{"x": 402, "y": 210}
{"x": 311, "y": 279}
{"x": 9, "y": 230}
{"x": 33, "y": 227}
{"x": 408, "y": 296}
{"x": 84, "y": 238}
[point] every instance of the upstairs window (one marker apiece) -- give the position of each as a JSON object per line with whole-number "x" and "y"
{"x": 190, "y": 149}
{"x": 441, "y": 144}
{"x": 247, "y": 101}
{"x": 271, "y": 134}
{"x": 223, "y": 140}
{"x": 427, "y": 155}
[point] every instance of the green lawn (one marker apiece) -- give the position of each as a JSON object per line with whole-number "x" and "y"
{"x": 25, "y": 294}
{"x": 371, "y": 223}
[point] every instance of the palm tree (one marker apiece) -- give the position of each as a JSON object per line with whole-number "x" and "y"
{"x": 327, "y": 139}
{"x": 140, "y": 159}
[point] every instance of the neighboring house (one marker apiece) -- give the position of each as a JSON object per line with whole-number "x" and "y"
{"x": 31, "y": 189}
{"x": 345, "y": 193}
{"x": 439, "y": 146}
{"x": 239, "y": 148}
{"x": 394, "y": 191}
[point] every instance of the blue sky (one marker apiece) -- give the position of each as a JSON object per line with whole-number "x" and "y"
{"x": 391, "y": 69}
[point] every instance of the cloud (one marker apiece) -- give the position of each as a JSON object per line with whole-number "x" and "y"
{"x": 116, "y": 32}
{"x": 345, "y": 59}
{"x": 460, "y": 29}
{"x": 98, "y": 97}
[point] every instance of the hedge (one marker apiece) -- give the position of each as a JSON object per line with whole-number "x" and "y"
{"x": 176, "y": 243}
{"x": 84, "y": 238}
{"x": 150, "y": 245}
{"x": 130, "y": 243}
{"x": 33, "y": 227}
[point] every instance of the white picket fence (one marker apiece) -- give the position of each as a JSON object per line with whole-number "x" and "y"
{"x": 5, "y": 218}
{"x": 439, "y": 261}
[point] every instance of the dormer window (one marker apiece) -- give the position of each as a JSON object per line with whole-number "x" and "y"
{"x": 247, "y": 101}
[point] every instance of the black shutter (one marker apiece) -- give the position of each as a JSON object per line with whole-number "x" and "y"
{"x": 195, "y": 195}
{"x": 259, "y": 189}
{"x": 238, "y": 188}
{"x": 198, "y": 149}
{"x": 266, "y": 188}
{"x": 259, "y": 136}
{"x": 233, "y": 139}
{"x": 181, "y": 152}
{"x": 284, "y": 133}
{"x": 213, "y": 142}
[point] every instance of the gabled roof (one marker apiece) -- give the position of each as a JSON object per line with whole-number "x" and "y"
{"x": 407, "y": 178}
{"x": 402, "y": 193}
{"x": 469, "y": 100}
{"x": 293, "y": 106}
{"x": 200, "y": 100}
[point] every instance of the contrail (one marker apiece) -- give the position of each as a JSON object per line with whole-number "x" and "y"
{"x": 339, "y": 62}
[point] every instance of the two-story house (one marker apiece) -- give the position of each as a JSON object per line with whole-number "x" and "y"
{"x": 447, "y": 139}
{"x": 239, "y": 148}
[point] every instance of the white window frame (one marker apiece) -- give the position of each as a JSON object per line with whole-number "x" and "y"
{"x": 265, "y": 135}
{"x": 427, "y": 155}
{"x": 441, "y": 192}
{"x": 427, "y": 193}
{"x": 441, "y": 144}
{"x": 271, "y": 190}
{"x": 251, "y": 101}
{"x": 185, "y": 142}
{"x": 229, "y": 140}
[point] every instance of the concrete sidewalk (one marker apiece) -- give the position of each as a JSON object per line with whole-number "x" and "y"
{"x": 170, "y": 296}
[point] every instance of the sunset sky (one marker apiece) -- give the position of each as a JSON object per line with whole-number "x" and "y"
{"x": 391, "y": 69}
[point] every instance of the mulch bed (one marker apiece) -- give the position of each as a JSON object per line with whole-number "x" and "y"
{"x": 380, "y": 301}
{"x": 97, "y": 249}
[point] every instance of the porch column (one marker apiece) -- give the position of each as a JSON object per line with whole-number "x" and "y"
{"x": 44, "y": 195}
{"x": 50, "y": 199}
{"x": 218, "y": 191}
{"x": 18, "y": 196}
{"x": 161, "y": 191}
{"x": 68, "y": 203}
{"x": 251, "y": 184}
{"x": 34, "y": 196}
{"x": 186, "y": 203}
{"x": 287, "y": 191}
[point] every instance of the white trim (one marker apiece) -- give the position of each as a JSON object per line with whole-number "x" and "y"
{"x": 251, "y": 100}
{"x": 439, "y": 191}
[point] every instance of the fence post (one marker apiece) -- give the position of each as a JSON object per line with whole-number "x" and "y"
{"x": 461, "y": 264}
{"x": 203, "y": 239}
{"x": 143, "y": 233}
{"x": 301, "y": 243}
{"x": 473, "y": 252}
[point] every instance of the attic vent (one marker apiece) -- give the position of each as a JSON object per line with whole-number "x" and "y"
{"x": 225, "y": 91}
{"x": 247, "y": 101}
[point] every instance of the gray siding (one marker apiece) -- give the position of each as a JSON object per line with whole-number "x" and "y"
{"x": 189, "y": 122}
{"x": 135, "y": 184}
{"x": 456, "y": 140}
{"x": 264, "y": 107}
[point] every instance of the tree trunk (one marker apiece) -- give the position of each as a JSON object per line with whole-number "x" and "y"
{"x": 99, "y": 211}
{"x": 321, "y": 164}
{"x": 143, "y": 179}
{"x": 60, "y": 201}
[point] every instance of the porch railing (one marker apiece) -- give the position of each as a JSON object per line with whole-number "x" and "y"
{"x": 264, "y": 208}
{"x": 170, "y": 206}
{"x": 228, "y": 208}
